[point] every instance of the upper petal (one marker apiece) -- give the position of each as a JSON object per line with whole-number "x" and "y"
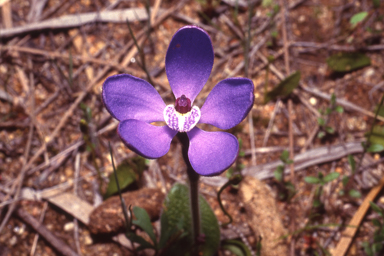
{"x": 129, "y": 97}
{"x": 211, "y": 153}
{"x": 145, "y": 139}
{"x": 189, "y": 61}
{"x": 228, "y": 103}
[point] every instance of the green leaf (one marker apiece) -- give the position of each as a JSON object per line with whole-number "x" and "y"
{"x": 333, "y": 99}
{"x": 229, "y": 173}
{"x": 339, "y": 109}
{"x": 312, "y": 180}
{"x": 284, "y": 156}
{"x": 331, "y": 176}
{"x": 376, "y": 223}
{"x": 321, "y": 134}
{"x": 236, "y": 247}
{"x": 279, "y": 173}
{"x": 380, "y": 111}
{"x": 354, "y": 193}
{"x": 321, "y": 121}
{"x": 375, "y": 148}
{"x": 284, "y": 88}
{"x": 329, "y": 130}
{"x": 127, "y": 173}
{"x": 176, "y": 208}
{"x": 144, "y": 222}
{"x": 345, "y": 180}
{"x": 376, "y": 208}
{"x": 266, "y": 3}
{"x": 170, "y": 234}
{"x": 87, "y": 111}
{"x": 84, "y": 128}
{"x": 316, "y": 203}
{"x": 352, "y": 163}
{"x": 377, "y": 135}
{"x": 144, "y": 244}
{"x": 358, "y": 17}
{"x": 346, "y": 61}
{"x": 377, "y": 247}
{"x": 367, "y": 248}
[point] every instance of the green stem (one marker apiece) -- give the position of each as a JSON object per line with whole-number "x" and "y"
{"x": 193, "y": 192}
{"x": 194, "y": 197}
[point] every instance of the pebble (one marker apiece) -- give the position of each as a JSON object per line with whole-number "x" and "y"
{"x": 19, "y": 230}
{"x": 13, "y": 241}
{"x": 313, "y": 101}
{"x": 69, "y": 226}
{"x": 301, "y": 141}
{"x": 302, "y": 18}
{"x": 369, "y": 72}
{"x": 356, "y": 123}
{"x": 87, "y": 240}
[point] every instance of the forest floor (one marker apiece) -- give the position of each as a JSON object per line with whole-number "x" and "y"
{"x": 55, "y": 161}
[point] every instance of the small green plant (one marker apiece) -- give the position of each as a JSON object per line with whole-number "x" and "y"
{"x": 324, "y": 118}
{"x": 357, "y": 18}
{"x": 345, "y": 180}
{"x": 375, "y": 247}
{"x": 320, "y": 181}
{"x": 286, "y": 188}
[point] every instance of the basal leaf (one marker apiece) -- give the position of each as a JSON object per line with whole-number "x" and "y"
{"x": 176, "y": 208}
{"x": 144, "y": 222}
{"x": 346, "y": 61}
{"x": 236, "y": 247}
{"x": 284, "y": 88}
{"x": 144, "y": 244}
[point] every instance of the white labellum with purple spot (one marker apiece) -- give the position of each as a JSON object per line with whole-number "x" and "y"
{"x": 181, "y": 122}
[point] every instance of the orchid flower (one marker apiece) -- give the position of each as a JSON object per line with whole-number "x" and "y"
{"x": 188, "y": 64}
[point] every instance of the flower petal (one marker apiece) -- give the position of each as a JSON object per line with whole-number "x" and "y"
{"x": 189, "y": 61}
{"x": 145, "y": 139}
{"x": 129, "y": 97}
{"x": 228, "y": 103}
{"x": 211, "y": 153}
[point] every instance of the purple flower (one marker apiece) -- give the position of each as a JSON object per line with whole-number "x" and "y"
{"x": 188, "y": 64}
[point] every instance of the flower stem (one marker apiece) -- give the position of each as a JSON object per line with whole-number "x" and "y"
{"x": 193, "y": 192}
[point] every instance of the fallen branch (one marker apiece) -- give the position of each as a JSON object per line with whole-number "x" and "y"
{"x": 77, "y": 20}
{"x": 301, "y": 161}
